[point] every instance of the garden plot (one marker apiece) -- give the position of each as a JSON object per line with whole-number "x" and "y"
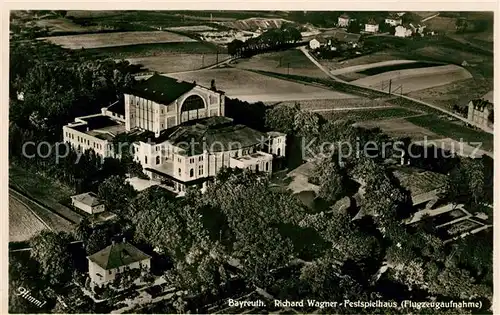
{"x": 166, "y": 63}
{"x": 116, "y": 39}
{"x": 362, "y": 67}
{"x": 23, "y": 224}
{"x": 291, "y": 61}
{"x": 192, "y": 28}
{"x": 400, "y": 127}
{"x": 417, "y": 79}
{"x": 253, "y": 87}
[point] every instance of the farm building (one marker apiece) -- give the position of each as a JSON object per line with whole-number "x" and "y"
{"x": 371, "y": 26}
{"x": 164, "y": 116}
{"x": 480, "y": 111}
{"x": 393, "y": 20}
{"x": 344, "y": 20}
{"x": 117, "y": 258}
{"x": 87, "y": 202}
{"x": 418, "y": 29}
{"x": 403, "y": 31}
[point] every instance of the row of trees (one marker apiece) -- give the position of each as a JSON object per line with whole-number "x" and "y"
{"x": 274, "y": 39}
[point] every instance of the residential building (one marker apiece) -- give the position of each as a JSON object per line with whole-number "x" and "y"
{"x": 480, "y": 111}
{"x": 115, "y": 259}
{"x": 181, "y": 136}
{"x": 393, "y": 20}
{"x": 87, "y": 202}
{"x": 342, "y": 37}
{"x": 344, "y": 20}
{"x": 371, "y": 26}
{"x": 402, "y": 31}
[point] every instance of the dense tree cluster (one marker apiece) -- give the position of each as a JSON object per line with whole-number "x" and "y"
{"x": 273, "y": 39}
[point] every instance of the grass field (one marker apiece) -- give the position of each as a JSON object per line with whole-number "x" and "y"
{"x": 153, "y": 50}
{"x": 416, "y": 79}
{"x": 116, "y": 39}
{"x": 400, "y": 127}
{"x": 337, "y": 104}
{"x": 174, "y": 62}
{"x": 23, "y": 224}
{"x": 47, "y": 191}
{"x": 253, "y": 87}
{"x": 451, "y": 94}
{"x": 291, "y": 61}
{"x": 449, "y": 129}
{"x": 369, "y": 114}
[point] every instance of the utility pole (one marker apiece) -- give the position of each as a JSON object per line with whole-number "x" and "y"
{"x": 202, "y": 60}
{"x": 390, "y": 83}
{"x": 288, "y": 70}
{"x": 217, "y": 56}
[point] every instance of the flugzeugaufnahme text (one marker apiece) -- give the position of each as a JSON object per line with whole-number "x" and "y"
{"x": 357, "y": 304}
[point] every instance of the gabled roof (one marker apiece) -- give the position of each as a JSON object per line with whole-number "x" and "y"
{"x": 372, "y": 22}
{"x": 161, "y": 89}
{"x": 488, "y": 97}
{"x": 393, "y": 16}
{"x": 89, "y": 198}
{"x": 344, "y": 16}
{"x": 117, "y": 255}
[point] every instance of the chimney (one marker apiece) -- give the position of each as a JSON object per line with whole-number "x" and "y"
{"x": 212, "y": 85}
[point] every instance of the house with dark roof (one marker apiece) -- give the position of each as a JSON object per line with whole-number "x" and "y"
{"x": 393, "y": 19}
{"x": 87, "y": 202}
{"x": 344, "y": 20}
{"x": 480, "y": 110}
{"x": 117, "y": 258}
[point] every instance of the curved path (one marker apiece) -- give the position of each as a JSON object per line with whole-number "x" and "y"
{"x": 327, "y": 72}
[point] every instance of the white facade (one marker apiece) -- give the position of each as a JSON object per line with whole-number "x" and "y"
{"x": 149, "y": 115}
{"x": 343, "y": 21}
{"x": 402, "y": 31}
{"x": 77, "y": 135}
{"x": 88, "y": 208}
{"x": 371, "y": 28}
{"x": 99, "y": 276}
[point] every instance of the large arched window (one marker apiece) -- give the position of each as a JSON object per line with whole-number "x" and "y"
{"x": 191, "y": 172}
{"x": 157, "y": 160}
{"x": 279, "y": 152}
{"x": 193, "y": 102}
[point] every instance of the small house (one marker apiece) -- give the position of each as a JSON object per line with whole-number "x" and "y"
{"x": 117, "y": 258}
{"x": 344, "y": 20}
{"x": 371, "y": 26}
{"x": 88, "y": 202}
{"x": 403, "y": 31}
{"x": 480, "y": 111}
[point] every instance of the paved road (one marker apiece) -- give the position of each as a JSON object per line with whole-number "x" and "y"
{"x": 327, "y": 72}
{"x": 430, "y": 17}
{"x": 349, "y": 108}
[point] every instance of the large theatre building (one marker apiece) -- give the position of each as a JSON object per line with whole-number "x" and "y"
{"x": 182, "y": 136}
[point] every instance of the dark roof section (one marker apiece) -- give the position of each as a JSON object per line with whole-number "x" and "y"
{"x": 197, "y": 181}
{"x": 215, "y": 134}
{"x": 95, "y": 122}
{"x": 117, "y": 107}
{"x": 117, "y": 255}
{"x": 160, "y": 89}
